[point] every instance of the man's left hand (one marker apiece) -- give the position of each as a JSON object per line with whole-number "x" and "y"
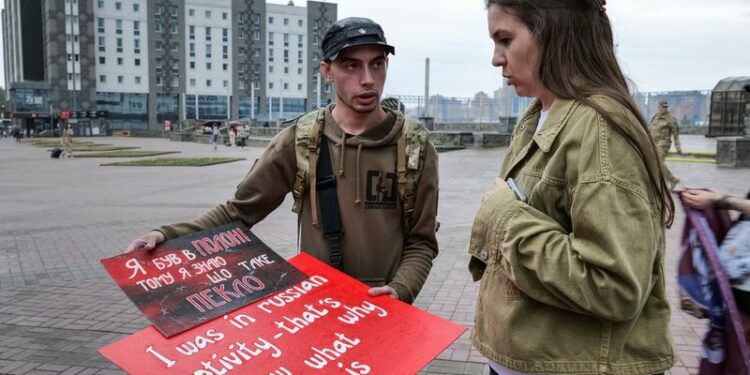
{"x": 383, "y": 290}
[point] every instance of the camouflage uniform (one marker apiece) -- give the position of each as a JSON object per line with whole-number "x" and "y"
{"x": 663, "y": 127}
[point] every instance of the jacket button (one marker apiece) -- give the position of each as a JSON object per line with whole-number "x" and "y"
{"x": 483, "y": 254}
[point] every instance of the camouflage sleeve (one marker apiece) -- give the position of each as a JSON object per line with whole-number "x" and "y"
{"x": 676, "y": 134}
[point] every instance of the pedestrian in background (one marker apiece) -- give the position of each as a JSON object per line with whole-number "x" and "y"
{"x": 663, "y": 128}
{"x": 571, "y": 261}
{"x": 67, "y": 141}
{"x": 215, "y": 136}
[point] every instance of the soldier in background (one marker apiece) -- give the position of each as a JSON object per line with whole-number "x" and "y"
{"x": 663, "y": 127}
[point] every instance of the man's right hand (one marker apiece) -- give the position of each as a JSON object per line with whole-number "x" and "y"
{"x": 147, "y": 241}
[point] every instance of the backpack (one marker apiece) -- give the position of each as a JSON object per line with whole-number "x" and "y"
{"x": 412, "y": 144}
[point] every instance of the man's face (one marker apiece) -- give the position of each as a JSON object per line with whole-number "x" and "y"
{"x": 663, "y": 109}
{"x": 358, "y": 74}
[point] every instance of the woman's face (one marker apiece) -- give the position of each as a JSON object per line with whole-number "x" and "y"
{"x": 516, "y": 51}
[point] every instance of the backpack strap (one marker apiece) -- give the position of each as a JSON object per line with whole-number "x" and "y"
{"x": 412, "y": 146}
{"x": 306, "y": 142}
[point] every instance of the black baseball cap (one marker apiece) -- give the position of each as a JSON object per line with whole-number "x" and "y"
{"x": 353, "y": 31}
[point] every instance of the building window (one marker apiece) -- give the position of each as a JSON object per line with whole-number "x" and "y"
{"x": 225, "y": 52}
{"x": 208, "y": 66}
{"x": 299, "y": 87}
{"x": 226, "y": 83}
{"x": 102, "y": 60}
{"x": 173, "y": 10}
{"x": 208, "y": 51}
{"x": 270, "y": 68}
{"x": 286, "y": 55}
{"x": 101, "y": 44}
{"x": 192, "y": 65}
{"x": 208, "y": 83}
{"x": 270, "y": 85}
{"x": 224, "y": 66}
{"x": 175, "y": 47}
{"x": 173, "y": 28}
{"x": 100, "y": 4}
{"x": 299, "y": 71}
{"x": 191, "y": 48}
{"x": 119, "y": 45}
{"x": 286, "y": 70}
{"x": 118, "y": 27}
{"x": 192, "y": 82}
{"x": 136, "y": 7}
{"x": 191, "y": 12}
{"x": 299, "y": 41}
{"x": 208, "y": 14}
{"x": 224, "y": 15}
{"x": 225, "y": 35}
{"x": 158, "y": 45}
{"x": 270, "y": 20}
{"x": 102, "y": 79}
{"x": 136, "y": 45}
{"x": 286, "y": 85}
{"x": 137, "y": 80}
{"x": 286, "y": 40}
{"x": 100, "y": 25}
{"x": 157, "y": 26}
{"x": 256, "y": 35}
{"x": 208, "y": 33}
{"x": 120, "y": 79}
{"x": 191, "y": 32}
{"x": 118, "y": 5}
{"x": 137, "y": 62}
{"x": 286, "y": 21}
{"x": 270, "y": 38}
{"x": 119, "y": 61}
{"x": 136, "y": 28}
{"x": 299, "y": 23}
{"x": 158, "y": 81}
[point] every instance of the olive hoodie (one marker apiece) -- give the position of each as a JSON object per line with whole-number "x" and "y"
{"x": 376, "y": 248}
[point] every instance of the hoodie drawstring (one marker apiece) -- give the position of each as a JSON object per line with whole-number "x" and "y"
{"x": 341, "y": 159}
{"x": 357, "y": 182}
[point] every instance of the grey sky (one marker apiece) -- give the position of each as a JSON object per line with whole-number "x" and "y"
{"x": 662, "y": 44}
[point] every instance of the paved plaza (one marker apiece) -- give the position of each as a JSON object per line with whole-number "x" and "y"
{"x": 58, "y": 218}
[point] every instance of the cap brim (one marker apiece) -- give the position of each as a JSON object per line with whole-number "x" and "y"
{"x": 362, "y": 41}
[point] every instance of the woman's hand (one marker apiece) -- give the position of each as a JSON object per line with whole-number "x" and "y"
{"x": 700, "y": 199}
{"x": 500, "y": 185}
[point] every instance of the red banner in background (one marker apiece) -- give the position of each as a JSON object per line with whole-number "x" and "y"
{"x": 327, "y": 324}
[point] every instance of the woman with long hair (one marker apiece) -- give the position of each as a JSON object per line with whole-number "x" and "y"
{"x": 571, "y": 254}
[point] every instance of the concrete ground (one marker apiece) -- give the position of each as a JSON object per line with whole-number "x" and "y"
{"x": 58, "y": 218}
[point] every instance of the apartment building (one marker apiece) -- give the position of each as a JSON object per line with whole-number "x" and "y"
{"x": 136, "y": 64}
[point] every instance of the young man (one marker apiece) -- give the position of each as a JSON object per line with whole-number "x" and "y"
{"x": 379, "y": 244}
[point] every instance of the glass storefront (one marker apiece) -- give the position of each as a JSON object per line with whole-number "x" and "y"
{"x": 126, "y": 110}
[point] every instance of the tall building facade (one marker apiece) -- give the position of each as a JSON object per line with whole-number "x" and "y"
{"x": 136, "y": 64}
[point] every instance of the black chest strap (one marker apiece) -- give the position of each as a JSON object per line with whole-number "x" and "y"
{"x": 330, "y": 214}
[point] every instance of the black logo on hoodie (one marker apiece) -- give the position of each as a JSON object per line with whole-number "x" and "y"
{"x": 382, "y": 188}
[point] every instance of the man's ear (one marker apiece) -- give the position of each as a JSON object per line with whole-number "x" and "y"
{"x": 325, "y": 71}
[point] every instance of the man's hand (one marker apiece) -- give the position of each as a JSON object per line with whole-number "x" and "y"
{"x": 147, "y": 241}
{"x": 500, "y": 184}
{"x": 383, "y": 290}
{"x": 700, "y": 199}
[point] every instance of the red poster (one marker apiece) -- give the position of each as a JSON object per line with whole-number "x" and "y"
{"x": 189, "y": 280}
{"x": 327, "y": 324}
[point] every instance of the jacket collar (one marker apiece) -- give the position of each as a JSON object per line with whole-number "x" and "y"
{"x": 560, "y": 113}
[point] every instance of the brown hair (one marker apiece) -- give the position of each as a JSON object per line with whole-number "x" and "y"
{"x": 577, "y": 60}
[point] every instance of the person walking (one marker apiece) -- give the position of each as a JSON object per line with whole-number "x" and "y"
{"x": 215, "y": 136}
{"x": 67, "y": 141}
{"x": 663, "y": 128}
